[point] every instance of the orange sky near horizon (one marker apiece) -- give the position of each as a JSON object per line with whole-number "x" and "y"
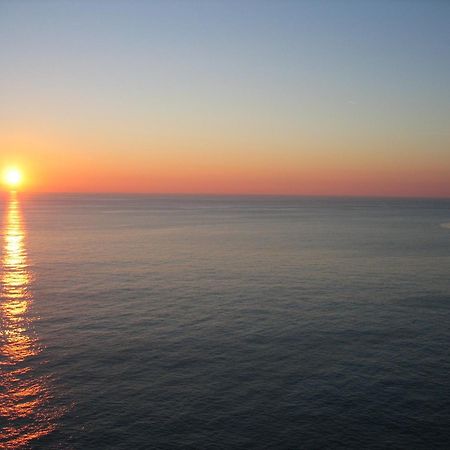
{"x": 55, "y": 164}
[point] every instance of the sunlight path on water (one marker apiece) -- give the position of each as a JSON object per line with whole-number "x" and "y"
{"x": 25, "y": 414}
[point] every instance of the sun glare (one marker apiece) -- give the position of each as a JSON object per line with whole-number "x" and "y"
{"x": 12, "y": 177}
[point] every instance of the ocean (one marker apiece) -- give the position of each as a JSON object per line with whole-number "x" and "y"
{"x": 202, "y": 322}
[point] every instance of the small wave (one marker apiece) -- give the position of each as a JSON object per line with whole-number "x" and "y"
{"x": 446, "y": 225}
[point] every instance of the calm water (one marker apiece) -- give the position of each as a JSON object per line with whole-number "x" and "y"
{"x": 132, "y": 322}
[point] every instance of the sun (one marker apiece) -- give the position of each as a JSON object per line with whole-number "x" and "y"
{"x": 12, "y": 177}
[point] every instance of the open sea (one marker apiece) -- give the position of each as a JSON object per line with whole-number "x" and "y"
{"x": 183, "y": 322}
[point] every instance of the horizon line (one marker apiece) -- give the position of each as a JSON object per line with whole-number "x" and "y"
{"x": 224, "y": 194}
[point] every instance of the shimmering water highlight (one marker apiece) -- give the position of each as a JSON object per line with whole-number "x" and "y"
{"x": 24, "y": 395}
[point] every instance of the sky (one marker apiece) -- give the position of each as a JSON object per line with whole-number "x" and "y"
{"x": 227, "y": 97}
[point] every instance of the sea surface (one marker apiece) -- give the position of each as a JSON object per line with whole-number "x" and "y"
{"x": 182, "y": 322}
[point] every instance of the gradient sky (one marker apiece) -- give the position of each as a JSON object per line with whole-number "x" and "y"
{"x": 280, "y": 97}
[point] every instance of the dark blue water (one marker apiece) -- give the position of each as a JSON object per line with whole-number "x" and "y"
{"x": 218, "y": 323}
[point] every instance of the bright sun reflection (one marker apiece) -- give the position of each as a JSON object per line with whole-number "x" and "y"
{"x": 24, "y": 396}
{"x": 12, "y": 177}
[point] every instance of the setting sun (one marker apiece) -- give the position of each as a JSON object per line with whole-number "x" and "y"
{"x": 12, "y": 177}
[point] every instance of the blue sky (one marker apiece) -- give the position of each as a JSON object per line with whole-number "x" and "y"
{"x": 279, "y": 75}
